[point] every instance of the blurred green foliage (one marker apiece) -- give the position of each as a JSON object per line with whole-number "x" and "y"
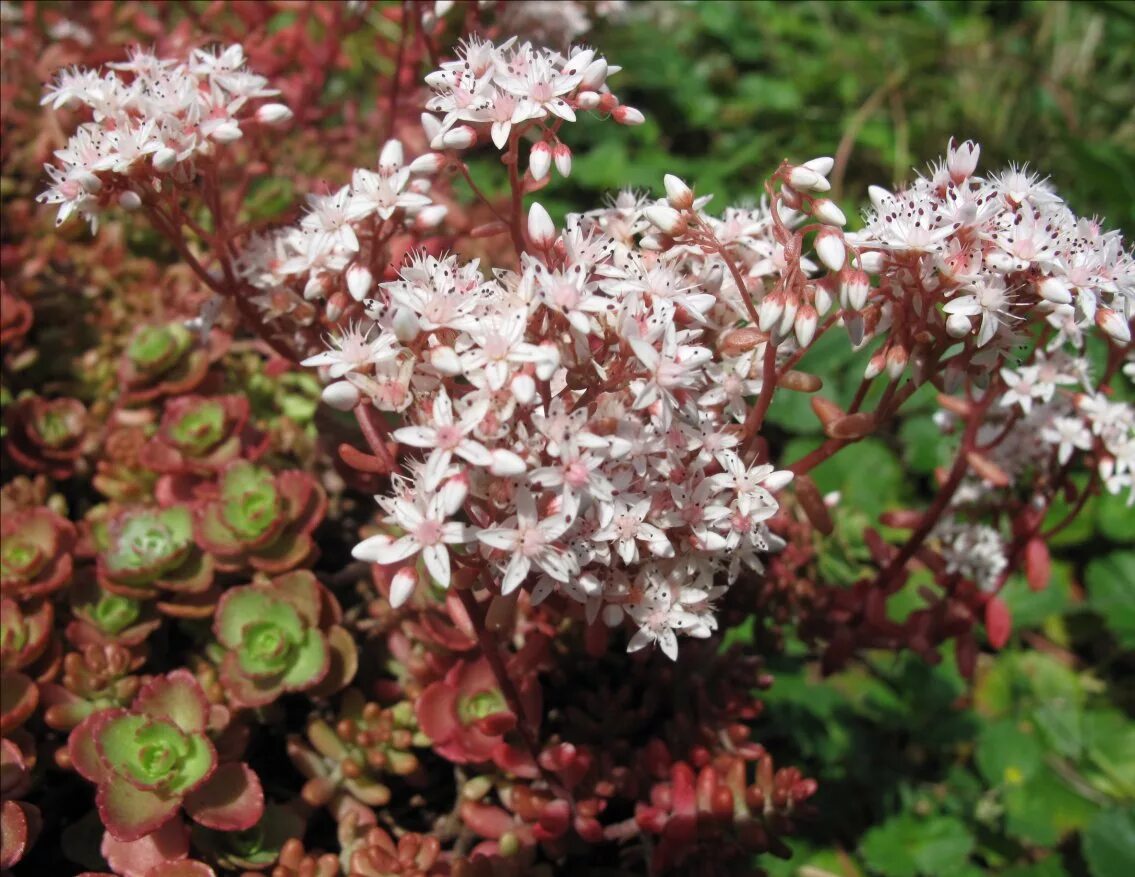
{"x": 1029, "y": 771}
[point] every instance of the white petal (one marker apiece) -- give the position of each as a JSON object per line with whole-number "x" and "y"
{"x": 437, "y": 562}
{"x": 386, "y": 552}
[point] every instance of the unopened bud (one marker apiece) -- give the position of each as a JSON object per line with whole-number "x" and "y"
{"x": 830, "y": 249}
{"x": 461, "y": 137}
{"x": 341, "y": 395}
{"x": 1113, "y": 324}
{"x": 800, "y": 382}
{"x": 129, "y": 200}
{"x": 822, "y": 165}
{"x": 359, "y": 281}
{"x": 872, "y": 261}
{"x": 594, "y": 75}
{"x": 164, "y": 159}
{"x": 561, "y": 155}
{"x": 391, "y": 156}
{"x": 790, "y": 198}
{"x": 336, "y": 304}
{"x": 402, "y": 585}
{"x": 740, "y": 341}
{"x": 628, "y": 116}
{"x": 523, "y": 388}
{"x": 430, "y": 163}
{"x": 808, "y": 180}
{"x": 897, "y": 358}
{"x": 541, "y": 229}
{"x": 668, "y": 220}
{"x": 404, "y": 324}
{"x": 851, "y": 426}
{"x": 540, "y": 160}
{"x": 680, "y": 196}
{"x": 788, "y": 318}
{"x": 853, "y": 289}
{"x": 587, "y": 100}
{"x": 828, "y": 212}
{"x": 1055, "y": 290}
{"x": 227, "y": 132}
{"x": 430, "y": 217}
{"x": 273, "y": 114}
{"x": 770, "y": 310}
{"x": 506, "y": 464}
{"x": 875, "y": 366}
{"x": 987, "y": 469}
{"x": 958, "y": 326}
{"x": 821, "y": 298}
{"x": 445, "y": 360}
{"x": 805, "y": 325}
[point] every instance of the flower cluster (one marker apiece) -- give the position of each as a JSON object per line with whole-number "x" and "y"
{"x": 150, "y": 116}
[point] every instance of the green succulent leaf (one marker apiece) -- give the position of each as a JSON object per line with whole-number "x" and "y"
{"x": 200, "y": 427}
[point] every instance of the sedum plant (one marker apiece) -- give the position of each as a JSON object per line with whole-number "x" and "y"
{"x": 425, "y": 528}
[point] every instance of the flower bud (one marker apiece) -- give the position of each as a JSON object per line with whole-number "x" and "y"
{"x": 789, "y": 197}
{"x": 402, "y": 585}
{"x": 506, "y": 464}
{"x": 856, "y": 328}
{"x": 227, "y": 132}
{"x": 341, "y": 395}
{"x": 879, "y": 196}
{"x": 594, "y": 75}
{"x": 404, "y": 325}
{"x": 961, "y": 161}
{"x": 830, "y": 249}
{"x": 875, "y": 366}
{"x": 539, "y": 160}
{"x": 770, "y": 311}
{"x": 541, "y": 229}
{"x": 273, "y": 114}
{"x": 808, "y": 180}
{"x": 788, "y": 319}
{"x": 430, "y": 163}
{"x": 1113, "y": 324}
{"x": 740, "y": 341}
{"x": 872, "y": 261}
{"x": 853, "y": 289}
{"x": 164, "y": 160}
{"x": 958, "y": 326}
{"x": 680, "y": 196}
{"x": 336, "y": 304}
{"x": 561, "y": 155}
{"x": 1055, "y": 290}
{"x": 897, "y": 358}
{"x": 587, "y": 100}
{"x": 828, "y": 212}
{"x": 821, "y": 298}
{"x": 628, "y": 116}
{"x": 430, "y": 217}
{"x": 668, "y": 220}
{"x": 445, "y": 360}
{"x": 805, "y": 325}
{"x": 359, "y": 281}
{"x": 822, "y": 165}
{"x": 129, "y": 200}
{"x": 523, "y": 389}
{"x": 316, "y": 287}
{"x": 461, "y": 137}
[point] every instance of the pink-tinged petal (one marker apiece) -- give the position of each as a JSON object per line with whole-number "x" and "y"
{"x": 130, "y": 813}
{"x": 416, "y": 436}
{"x": 178, "y": 697}
{"x": 443, "y": 409}
{"x": 230, "y": 800}
{"x": 137, "y": 858}
{"x": 496, "y": 537}
{"x": 475, "y": 453}
{"x": 435, "y": 468}
{"x": 517, "y": 572}
{"x": 437, "y": 562}
{"x": 389, "y": 553}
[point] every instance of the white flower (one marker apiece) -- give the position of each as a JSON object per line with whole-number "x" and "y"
{"x": 355, "y": 349}
{"x": 531, "y": 542}
{"x": 446, "y": 438}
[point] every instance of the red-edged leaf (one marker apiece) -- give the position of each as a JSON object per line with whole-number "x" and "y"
{"x": 130, "y": 813}
{"x": 231, "y": 799}
{"x": 184, "y": 868}
{"x": 137, "y": 858}
{"x": 177, "y": 696}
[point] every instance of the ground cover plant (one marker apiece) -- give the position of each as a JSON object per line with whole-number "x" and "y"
{"x": 381, "y": 498}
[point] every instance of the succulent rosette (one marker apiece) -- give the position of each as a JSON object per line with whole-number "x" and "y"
{"x": 261, "y": 519}
{"x": 96, "y": 677}
{"x": 146, "y": 551}
{"x": 15, "y": 316}
{"x": 281, "y": 636}
{"x": 46, "y": 435}
{"x": 25, "y": 633}
{"x": 153, "y": 758}
{"x": 119, "y": 473}
{"x": 197, "y": 437}
{"x": 253, "y": 849}
{"x": 35, "y": 553}
{"x": 166, "y": 360}
{"x": 102, "y": 617}
{"x": 19, "y": 697}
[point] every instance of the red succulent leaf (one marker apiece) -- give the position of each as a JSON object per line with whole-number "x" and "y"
{"x": 178, "y": 697}
{"x": 82, "y": 748}
{"x": 230, "y": 800}
{"x": 35, "y": 553}
{"x": 344, "y": 663}
{"x": 19, "y": 825}
{"x": 130, "y": 813}
{"x": 998, "y": 622}
{"x": 24, "y": 634}
{"x": 15, "y": 316}
{"x": 185, "y": 868}
{"x": 46, "y": 435}
{"x": 137, "y": 858}
{"x": 19, "y": 696}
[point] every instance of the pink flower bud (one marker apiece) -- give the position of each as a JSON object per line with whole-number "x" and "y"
{"x": 822, "y": 299}
{"x": 430, "y": 217}
{"x": 872, "y": 261}
{"x": 879, "y": 196}
{"x": 541, "y": 229}
{"x": 854, "y": 288}
{"x": 1055, "y": 290}
{"x": 1113, "y": 324}
{"x": 523, "y": 388}
{"x": 336, "y": 304}
{"x": 875, "y": 366}
{"x": 445, "y": 360}
{"x": 404, "y": 324}
{"x": 402, "y": 585}
{"x": 273, "y": 114}
{"x": 129, "y": 200}
{"x": 628, "y": 116}
{"x": 680, "y": 196}
{"x": 341, "y": 395}
{"x": 668, "y": 220}
{"x": 805, "y": 325}
{"x": 961, "y": 161}
{"x": 359, "y": 281}
{"x": 561, "y": 155}
{"x": 594, "y": 75}
{"x": 506, "y": 464}
{"x": 788, "y": 319}
{"x": 770, "y": 311}
{"x": 897, "y": 358}
{"x": 828, "y": 212}
{"x": 539, "y": 160}
{"x": 227, "y": 132}
{"x": 830, "y": 249}
{"x": 461, "y": 137}
{"x": 430, "y": 163}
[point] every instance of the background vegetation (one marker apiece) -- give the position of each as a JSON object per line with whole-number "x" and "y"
{"x": 1029, "y": 771}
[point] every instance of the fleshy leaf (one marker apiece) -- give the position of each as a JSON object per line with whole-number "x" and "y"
{"x": 130, "y": 813}
{"x": 178, "y": 697}
{"x": 232, "y": 799}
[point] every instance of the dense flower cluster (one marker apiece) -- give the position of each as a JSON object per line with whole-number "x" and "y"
{"x": 159, "y": 115}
